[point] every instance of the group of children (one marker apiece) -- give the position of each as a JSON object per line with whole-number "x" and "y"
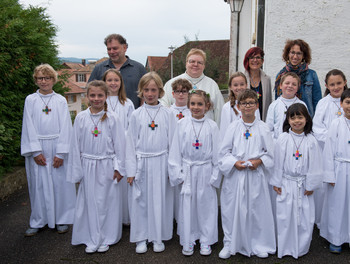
{"x": 155, "y": 164}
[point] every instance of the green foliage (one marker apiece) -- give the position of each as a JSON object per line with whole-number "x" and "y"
{"x": 26, "y": 40}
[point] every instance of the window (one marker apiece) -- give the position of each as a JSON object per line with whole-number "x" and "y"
{"x": 80, "y": 77}
{"x": 71, "y": 98}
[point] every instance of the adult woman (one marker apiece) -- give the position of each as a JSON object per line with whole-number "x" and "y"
{"x": 257, "y": 79}
{"x": 297, "y": 55}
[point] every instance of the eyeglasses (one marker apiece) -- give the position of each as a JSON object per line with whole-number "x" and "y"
{"x": 181, "y": 92}
{"x": 248, "y": 104}
{"x": 194, "y": 62}
{"x": 255, "y": 58}
{"x": 43, "y": 78}
{"x": 299, "y": 54}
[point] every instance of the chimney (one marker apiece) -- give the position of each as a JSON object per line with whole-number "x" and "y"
{"x": 83, "y": 61}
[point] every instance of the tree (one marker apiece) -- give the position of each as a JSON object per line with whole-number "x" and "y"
{"x": 26, "y": 40}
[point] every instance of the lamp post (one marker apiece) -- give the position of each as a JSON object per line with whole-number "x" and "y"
{"x": 236, "y": 8}
{"x": 171, "y": 60}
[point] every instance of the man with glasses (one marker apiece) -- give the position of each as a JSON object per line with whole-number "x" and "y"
{"x": 195, "y": 65}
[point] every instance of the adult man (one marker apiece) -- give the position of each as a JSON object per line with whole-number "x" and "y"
{"x": 131, "y": 70}
{"x": 195, "y": 64}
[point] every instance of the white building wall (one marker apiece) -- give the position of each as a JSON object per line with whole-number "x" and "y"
{"x": 324, "y": 25}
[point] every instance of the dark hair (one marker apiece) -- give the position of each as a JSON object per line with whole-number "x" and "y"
{"x": 304, "y": 47}
{"x": 250, "y": 53}
{"x": 121, "y": 93}
{"x": 103, "y": 86}
{"x": 248, "y": 94}
{"x": 345, "y": 94}
{"x": 183, "y": 83}
{"x": 298, "y": 109}
{"x": 204, "y": 95}
{"x": 231, "y": 95}
{"x": 117, "y": 37}
{"x": 333, "y": 73}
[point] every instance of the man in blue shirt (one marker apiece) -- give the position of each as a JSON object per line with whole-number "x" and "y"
{"x": 131, "y": 70}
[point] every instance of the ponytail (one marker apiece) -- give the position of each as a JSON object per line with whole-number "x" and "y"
{"x": 105, "y": 114}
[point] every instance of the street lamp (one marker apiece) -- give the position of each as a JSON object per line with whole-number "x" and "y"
{"x": 171, "y": 60}
{"x": 236, "y": 8}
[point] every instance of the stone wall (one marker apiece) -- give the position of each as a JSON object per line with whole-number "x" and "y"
{"x": 12, "y": 182}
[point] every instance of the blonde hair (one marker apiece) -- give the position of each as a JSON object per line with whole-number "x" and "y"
{"x": 103, "y": 86}
{"x": 231, "y": 94}
{"x": 45, "y": 69}
{"x": 199, "y": 52}
{"x": 204, "y": 95}
{"x": 121, "y": 93}
{"x": 292, "y": 74}
{"x": 145, "y": 80}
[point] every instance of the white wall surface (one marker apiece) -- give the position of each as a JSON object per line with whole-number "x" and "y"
{"x": 324, "y": 25}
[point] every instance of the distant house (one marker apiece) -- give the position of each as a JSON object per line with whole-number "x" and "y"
{"x": 217, "y": 66}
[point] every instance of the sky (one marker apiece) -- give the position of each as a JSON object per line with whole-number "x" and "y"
{"x": 149, "y": 26}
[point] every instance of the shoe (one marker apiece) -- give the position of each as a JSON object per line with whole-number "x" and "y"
{"x": 262, "y": 255}
{"x": 89, "y": 250}
{"x": 141, "y": 247}
{"x": 158, "y": 247}
{"x": 334, "y": 249}
{"x": 103, "y": 248}
{"x": 188, "y": 252}
{"x": 61, "y": 229}
{"x": 224, "y": 253}
{"x": 31, "y": 232}
{"x": 205, "y": 250}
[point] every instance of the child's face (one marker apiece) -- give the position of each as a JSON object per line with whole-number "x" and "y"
{"x": 289, "y": 87}
{"x": 238, "y": 85}
{"x": 297, "y": 123}
{"x": 346, "y": 107}
{"x": 151, "y": 93}
{"x": 44, "y": 82}
{"x": 180, "y": 95}
{"x": 335, "y": 85}
{"x": 97, "y": 99}
{"x": 113, "y": 83}
{"x": 248, "y": 108}
{"x": 198, "y": 107}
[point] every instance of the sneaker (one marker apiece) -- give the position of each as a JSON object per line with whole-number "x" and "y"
{"x": 158, "y": 247}
{"x": 141, "y": 247}
{"x": 189, "y": 251}
{"x": 224, "y": 253}
{"x": 334, "y": 249}
{"x": 262, "y": 255}
{"x": 31, "y": 232}
{"x": 89, "y": 250}
{"x": 61, "y": 229}
{"x": 103, "y": 248}
{"x": 205, "y": 250}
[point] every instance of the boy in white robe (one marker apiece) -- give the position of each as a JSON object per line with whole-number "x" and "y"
{"x": 148, "y": 141}
{"x": 181, "y": 88}
{"x": 335, "y": 219}
{"x": 245, "y": 156}
{"x": 297, "y": 173}
{"x": 46, "y": 132}
{"x": 97, "y": 162}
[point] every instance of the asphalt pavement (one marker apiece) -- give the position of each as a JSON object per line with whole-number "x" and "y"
{"x": 50, "y": 247}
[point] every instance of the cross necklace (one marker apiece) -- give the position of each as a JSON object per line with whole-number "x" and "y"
{"x": 152, "y": 125}
{"x": 339, "y": 113}
{"x": 290, "y": 104}
{"x": 46, "y": 110}
{"x": 197, "y": 144}
{"x": 297, "y": 154}
{"x": 115, "y": 105}
{"x": 247, "y": 134}
{"x": 194, "y": 85}
{"x": 95, "y": 131}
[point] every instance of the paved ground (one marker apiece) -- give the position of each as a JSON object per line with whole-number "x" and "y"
{"x": 50, "y": 247}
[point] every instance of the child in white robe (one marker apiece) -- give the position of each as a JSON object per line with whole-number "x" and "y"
{"x": 230, "y": 112}
{"x": 327, "y": 109}
{"x": 276, "y": 114}
{"x": 97, "y": 162}
{"x": 335, "y": 220}
{"x": 148, "y": 141}
{"x": 46, "y": 132}
{"x": 193, "y": 166}
{"x": 245, "y": 157}
{"x": 123, "y": 107}
{"x": 297, "y": 173}
{"x": 180, "y": 87}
